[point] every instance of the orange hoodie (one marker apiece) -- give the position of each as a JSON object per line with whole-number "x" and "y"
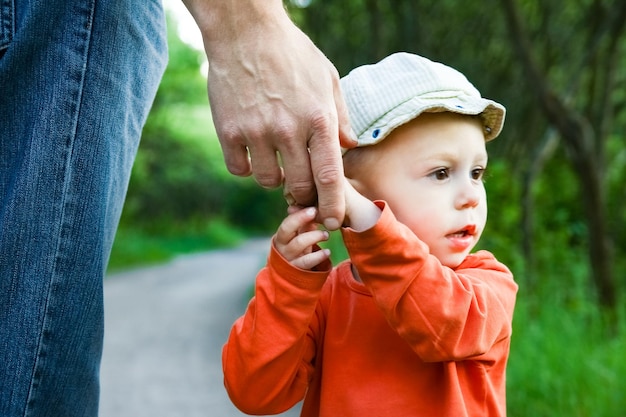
{"x": 414, "y": 339}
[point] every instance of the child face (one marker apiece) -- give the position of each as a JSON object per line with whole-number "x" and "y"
{"x": 430, "y": 171}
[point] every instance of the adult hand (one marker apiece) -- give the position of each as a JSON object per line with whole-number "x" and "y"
{"x": 276, "y": 102}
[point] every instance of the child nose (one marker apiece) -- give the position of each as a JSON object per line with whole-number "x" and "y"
{"x": 468, "y": 195}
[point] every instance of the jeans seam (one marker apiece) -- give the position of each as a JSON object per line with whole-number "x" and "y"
{"x": 7, "y": 24}
{"x": 76, "y": 100}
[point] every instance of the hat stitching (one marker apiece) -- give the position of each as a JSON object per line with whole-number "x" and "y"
{"x": 395, "y": 122}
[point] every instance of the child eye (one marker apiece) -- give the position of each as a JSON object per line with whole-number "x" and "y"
{"x": 478, "y": 173}
{"x": 440, "y": 174}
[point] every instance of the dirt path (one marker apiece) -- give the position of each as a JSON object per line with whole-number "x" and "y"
{"x": 165, "y": 327}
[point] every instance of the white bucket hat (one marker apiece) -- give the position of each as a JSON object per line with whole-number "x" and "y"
{"x": 383, "y": 96}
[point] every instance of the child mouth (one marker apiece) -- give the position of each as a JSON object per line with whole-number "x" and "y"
{"x": 467, "y": 231}
{"x": 463, "y": 239}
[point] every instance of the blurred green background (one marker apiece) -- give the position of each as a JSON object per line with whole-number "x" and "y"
{"x": 555, "y": 180}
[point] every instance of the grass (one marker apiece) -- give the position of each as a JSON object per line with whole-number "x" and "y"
{"x": 564, "y": 360}
{"x": 141, "y": 246}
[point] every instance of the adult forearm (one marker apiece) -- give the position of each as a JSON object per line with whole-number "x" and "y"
{"x": 225, "y": 23}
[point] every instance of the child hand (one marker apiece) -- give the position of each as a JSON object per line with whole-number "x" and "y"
{"x": 361, "y": 213}
{"x": 297, "y": 236}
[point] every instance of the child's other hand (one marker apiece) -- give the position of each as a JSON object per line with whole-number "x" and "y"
{"x": 361, "y": 213}
{"x": 297, "y": 236}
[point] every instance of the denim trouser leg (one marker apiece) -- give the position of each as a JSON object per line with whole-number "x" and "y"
{"x": 77, "y": 78}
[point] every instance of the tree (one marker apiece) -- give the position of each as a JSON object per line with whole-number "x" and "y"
{"x": 582, "y": 113}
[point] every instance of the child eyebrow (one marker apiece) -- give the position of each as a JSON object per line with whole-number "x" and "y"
{"x": 446, "y": 156}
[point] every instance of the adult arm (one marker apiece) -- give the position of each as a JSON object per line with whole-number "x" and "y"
{"x": 275, "y": 100}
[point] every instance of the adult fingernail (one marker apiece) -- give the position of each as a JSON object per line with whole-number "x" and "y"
{"x": 331, "y": 223}
{"x": 289, "y": 199}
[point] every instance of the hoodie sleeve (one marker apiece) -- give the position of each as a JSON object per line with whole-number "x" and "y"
{"x": 267, "y": 360}
{"x": 444, "y": 314}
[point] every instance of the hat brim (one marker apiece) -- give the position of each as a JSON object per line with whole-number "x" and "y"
{"x": 491, "y": 112}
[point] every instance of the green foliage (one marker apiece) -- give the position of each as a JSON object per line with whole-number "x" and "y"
{"x": 616, "y": 174}
{"x": 501, "y": 234}
{"x": 562, "y": 362}
{"x": 161, "y": 241}
{"x": 177, "y": 171}
{"x": 182, "y": 81}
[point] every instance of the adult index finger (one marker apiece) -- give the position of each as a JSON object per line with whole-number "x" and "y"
{"x": 327, "y": 167}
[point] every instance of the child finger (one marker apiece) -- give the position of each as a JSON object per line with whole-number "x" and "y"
{"x": 310, "y": 238}
{"x": 311, "y": 260}
{"x": 293, "y": 223}
{"x": 302, "y": 244}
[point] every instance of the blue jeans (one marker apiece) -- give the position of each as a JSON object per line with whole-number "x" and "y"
{"x": 77, "y": 79}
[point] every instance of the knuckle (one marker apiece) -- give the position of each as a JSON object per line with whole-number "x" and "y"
{"x": 303, "y": 192}
{"x": 328, "y": 175}
{"x": 284, "y": 130}
{"x": 298, "y": 187}
{"x": 229, "y": 133}
{"x": 321, "y": 121}
{"x": 266, "y": 180}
